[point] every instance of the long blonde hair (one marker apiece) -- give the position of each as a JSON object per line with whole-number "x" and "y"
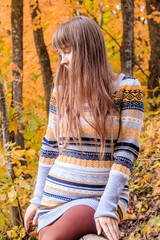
{"x": 90, "y": 80}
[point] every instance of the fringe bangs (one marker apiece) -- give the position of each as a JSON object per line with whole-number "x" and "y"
{"x": 61, "y": 38}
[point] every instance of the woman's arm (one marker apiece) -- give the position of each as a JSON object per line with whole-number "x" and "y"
{"x": 126, "y": 149}
{"x": 49, "y": 151}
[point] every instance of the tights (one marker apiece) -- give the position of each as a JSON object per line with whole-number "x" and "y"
{"x": 72, "y": 225}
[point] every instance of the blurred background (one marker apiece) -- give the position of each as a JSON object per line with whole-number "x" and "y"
{"x": 131, "y": 30}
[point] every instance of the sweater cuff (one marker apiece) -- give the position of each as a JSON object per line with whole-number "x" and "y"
{"x": 110, "y": 197}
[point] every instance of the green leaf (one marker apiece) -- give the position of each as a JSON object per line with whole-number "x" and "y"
{"x": 33, "y": 125}
{"x": 23, "y": 119}
{"x": 27, "y": 133}
{"x": 154, "y": 221}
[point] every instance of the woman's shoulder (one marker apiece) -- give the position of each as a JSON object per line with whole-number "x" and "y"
{"x": 127, "y": 89}
{"x": 125, "y": 81}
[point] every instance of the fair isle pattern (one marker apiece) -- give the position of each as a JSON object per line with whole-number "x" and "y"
{"x": 78, "y": 173}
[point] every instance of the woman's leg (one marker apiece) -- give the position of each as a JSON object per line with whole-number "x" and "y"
{"x": 73, "y": 224}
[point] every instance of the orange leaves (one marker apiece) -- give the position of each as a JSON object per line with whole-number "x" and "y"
{"x": 12, "y": 234}
{"x": 145, "y": 178}
{"x": 154, "y": 16}
{"x": 150, "y": 136}
{"x": 17, "y": 233}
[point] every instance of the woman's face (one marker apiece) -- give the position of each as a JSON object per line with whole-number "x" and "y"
{"x": 66, "y": 56}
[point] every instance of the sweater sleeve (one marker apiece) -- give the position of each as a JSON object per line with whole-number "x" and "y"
{"x": 49, "y": 152}
{"x": 126, "y": 149}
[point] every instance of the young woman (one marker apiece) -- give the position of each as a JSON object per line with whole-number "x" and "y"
{"x": 92, "y": 140}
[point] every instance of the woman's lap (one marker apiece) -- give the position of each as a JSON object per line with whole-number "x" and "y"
{"x": 73, "y": 224}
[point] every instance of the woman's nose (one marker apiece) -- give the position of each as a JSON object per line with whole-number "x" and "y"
{"x": 64, "y": 60}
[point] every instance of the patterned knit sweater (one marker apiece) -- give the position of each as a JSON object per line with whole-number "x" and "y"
{"x": 78, "y": 174}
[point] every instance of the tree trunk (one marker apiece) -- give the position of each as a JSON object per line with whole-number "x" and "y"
{"x": 17, "y": 50}
{"x": 16, "y": 214}
{"x": 100, "y": 14}
{"x": 42, "y": 52}
{"x": 79, "y": 2}
{"x": 127, "y": 48}
{"x": 153, "y": 6}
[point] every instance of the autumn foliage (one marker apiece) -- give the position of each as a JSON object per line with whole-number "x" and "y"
{"x": 143, "y": 217}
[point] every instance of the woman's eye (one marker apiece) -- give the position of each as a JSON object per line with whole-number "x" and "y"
{"x": 64, "y": 52}
{"x": 67, "y": 52}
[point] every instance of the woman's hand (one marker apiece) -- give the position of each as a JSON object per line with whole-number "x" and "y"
{"x": 109, "y": 226}
{"x": 30, "y": 212}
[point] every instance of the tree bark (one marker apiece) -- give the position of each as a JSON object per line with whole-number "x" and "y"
{"x": 127, "y": 47}
{"x": 153, "y": 6}
{"x": 79, "y": 2}
{"x": 16, "y": 213}
{"x": 17, "y": 51}
{"x": 100, "y": 14}
{"x": 42, "y": 52}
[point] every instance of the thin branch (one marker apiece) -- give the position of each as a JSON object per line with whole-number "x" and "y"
{"x": 149, "y": 196}
{"x": 146, "y": 159}
{"x": 148, "y": 184}
{"x": 3, "y": 213}
{"x": 136, "y": 63}
{"x": 111, "y": 36}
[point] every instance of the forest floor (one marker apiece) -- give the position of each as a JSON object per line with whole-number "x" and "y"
{"x": 143, "y": 217}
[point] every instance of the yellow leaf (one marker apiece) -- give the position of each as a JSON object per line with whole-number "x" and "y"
{"x": 22, "y": 232}
{"x": 30, "y": 153}
{"x": 11, "y": 233}
{"x": 24, "y": 184}
{"x": 18, "y": 171}
{"x": 144, "y": 231}
{"x": 147, "y": 177}
{"x": 127, "y": 215}
{"x": 15, "y": 228}
{"x": 12, "y": 195}
{"x": 15, "y": 203}
{"x": 20, "y": 153}
{"x": 15, "y": 125}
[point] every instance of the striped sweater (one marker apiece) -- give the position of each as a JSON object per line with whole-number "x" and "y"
{"x": 77, "y": 175}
